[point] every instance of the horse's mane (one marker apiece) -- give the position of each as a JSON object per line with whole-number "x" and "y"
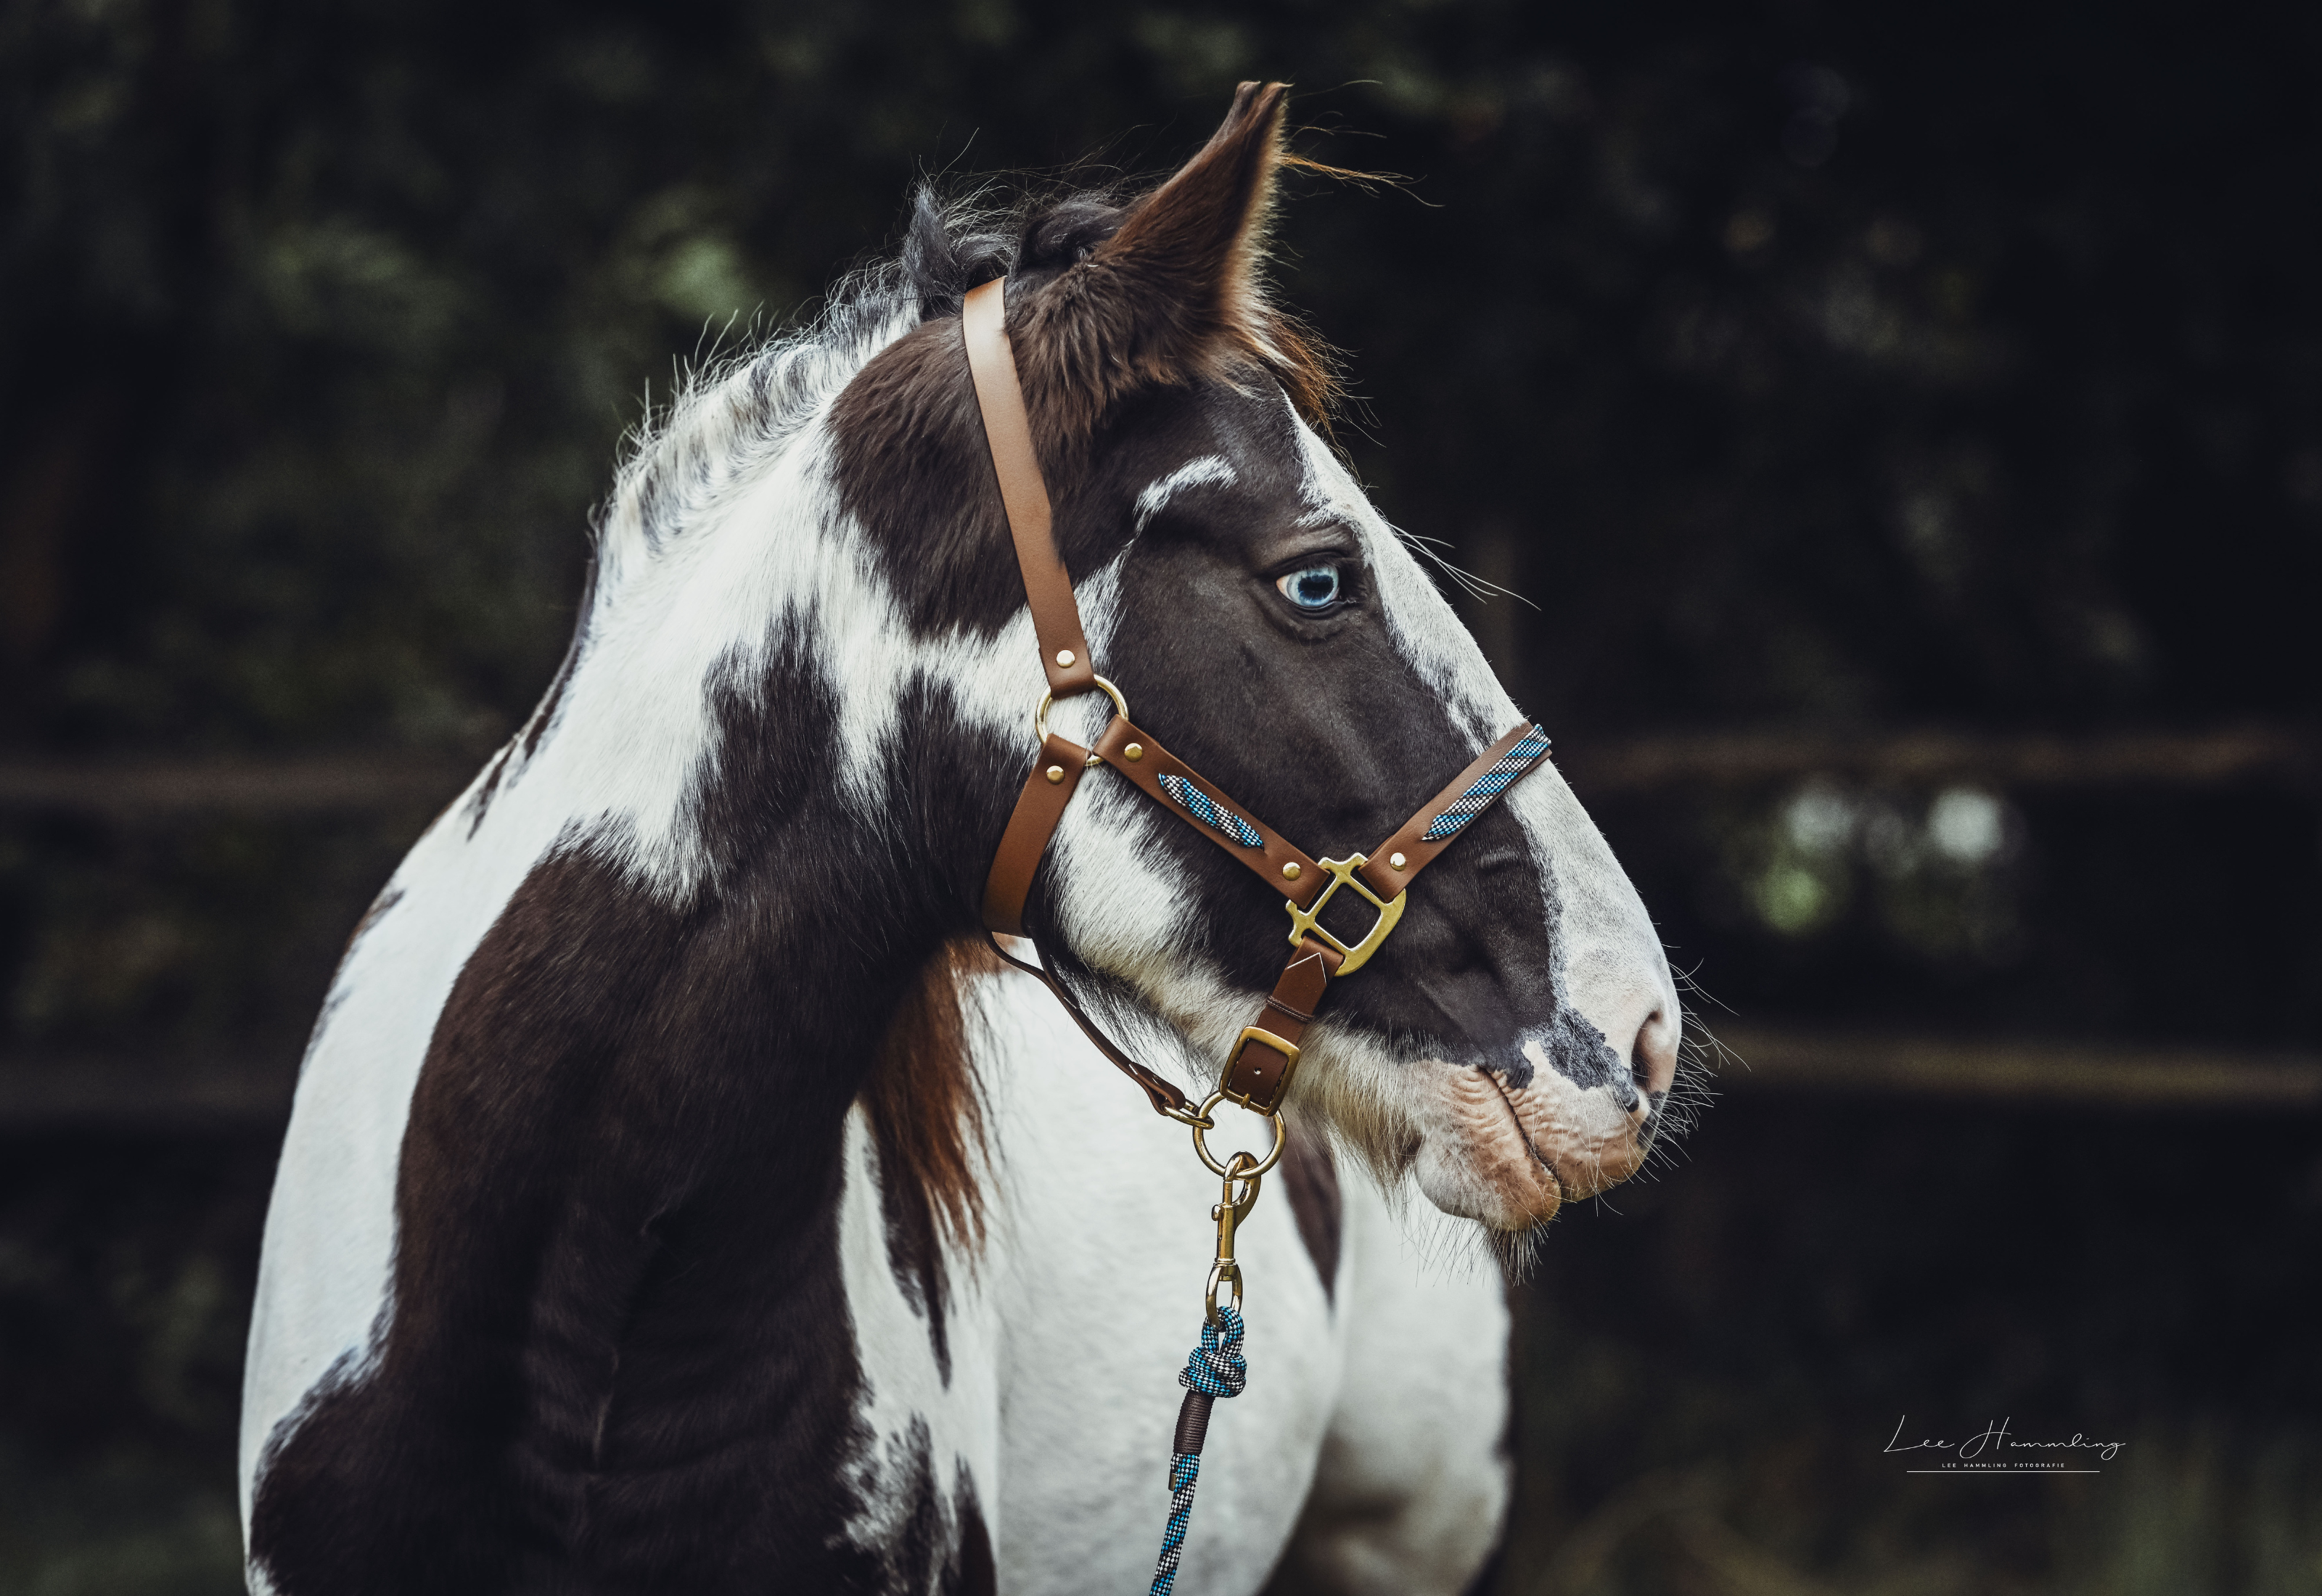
{"x": 923, "y": 1101}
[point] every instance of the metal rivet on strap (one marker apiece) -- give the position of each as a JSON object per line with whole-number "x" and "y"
{"x": 1055, "y": 773}
{"x": 1063, "y": 656}
{"x": 1394, "y": 861}
{"x": 1289, "y": 871}
{"x": 1135, "y": 751}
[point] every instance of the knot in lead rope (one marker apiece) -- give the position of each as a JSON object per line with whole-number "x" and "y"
{"x": 1216, "y": 1369}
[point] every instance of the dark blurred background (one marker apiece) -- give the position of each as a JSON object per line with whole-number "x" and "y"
{"x": 1904, "y": 425}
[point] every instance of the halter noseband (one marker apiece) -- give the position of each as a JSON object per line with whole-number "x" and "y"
{"x": 1258, "y": 1070}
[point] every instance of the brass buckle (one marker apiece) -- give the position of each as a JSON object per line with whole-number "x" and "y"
{"x": 1342, "y": 875}
{"x": 1266, "y": 1039}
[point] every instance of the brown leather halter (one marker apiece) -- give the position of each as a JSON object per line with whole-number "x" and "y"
{"x": 1265, "y": 1056}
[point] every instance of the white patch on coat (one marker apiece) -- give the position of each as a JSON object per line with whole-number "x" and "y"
{"x": 1411, "y": 1488}
{"x": 1118, "y": 905}
{"x": 326, "y": 1267}
{"x": 1097, "y": 1276}
{"x": 903, "y": 1386}
{"x": 1391, "y": 1401}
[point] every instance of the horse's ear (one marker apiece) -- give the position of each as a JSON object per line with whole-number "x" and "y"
{"x": 1174, "y": 292}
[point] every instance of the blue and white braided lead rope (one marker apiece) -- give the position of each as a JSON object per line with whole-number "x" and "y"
{"x": 1216, "y": 1369}
{"x": 1185, "y": 1471}
{"x": 1209, "y": 813}
{"x": 1488, "y": 786}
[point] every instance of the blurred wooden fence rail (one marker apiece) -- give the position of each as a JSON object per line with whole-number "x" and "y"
{"x": 2119, "y": 1077}
{"x": 377, "y": 782}
{"x": 132, "y": 1094}
{"x": 127, "y": 790}
{"x": 2231, "y": 757}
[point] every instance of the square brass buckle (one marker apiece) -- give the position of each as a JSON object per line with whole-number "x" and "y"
{"x": 1266, "y": 1039}
{"x": 1342, "y": 875}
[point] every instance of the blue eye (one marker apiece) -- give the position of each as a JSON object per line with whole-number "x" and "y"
{"x": 1314, "y": 588}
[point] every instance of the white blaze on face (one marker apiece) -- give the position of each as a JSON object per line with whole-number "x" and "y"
{"x": 1505, "y": 1155}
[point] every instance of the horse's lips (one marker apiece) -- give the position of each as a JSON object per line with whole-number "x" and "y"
{"x": 1588, "y": 1138}
{"x": 1532, "y": 1146}
{"x": 1516, "y": 1121}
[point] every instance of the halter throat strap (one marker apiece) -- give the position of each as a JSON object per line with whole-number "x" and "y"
{"x": 1258, "y": 1070}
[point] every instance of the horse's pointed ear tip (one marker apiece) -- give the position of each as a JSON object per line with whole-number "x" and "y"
{"x": 1256, "y": 101}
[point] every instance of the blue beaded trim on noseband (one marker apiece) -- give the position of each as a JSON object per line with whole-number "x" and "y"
{"x": 1488, "y": 786}
{"x": 1198, "y": 803}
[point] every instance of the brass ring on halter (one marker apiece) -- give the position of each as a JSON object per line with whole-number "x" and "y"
{"x": 1040, "y": 715}
{"x": 1202, "y": 1146}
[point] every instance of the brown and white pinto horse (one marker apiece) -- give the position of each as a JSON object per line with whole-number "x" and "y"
{"x": 671, "y": 1204}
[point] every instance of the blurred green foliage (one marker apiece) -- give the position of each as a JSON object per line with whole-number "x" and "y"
{"x": 125, "y": 1273}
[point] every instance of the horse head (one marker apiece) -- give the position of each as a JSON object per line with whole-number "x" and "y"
{"x": 1514, "y": 1041}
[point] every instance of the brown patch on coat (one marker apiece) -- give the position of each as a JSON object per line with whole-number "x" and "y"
{"x": 1310, "y": 1178}
{"x": 912, "y": 468}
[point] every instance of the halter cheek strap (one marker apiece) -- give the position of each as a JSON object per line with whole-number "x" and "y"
{"x": 1258, "y": 1070}
{"x": 1008, "y": 427}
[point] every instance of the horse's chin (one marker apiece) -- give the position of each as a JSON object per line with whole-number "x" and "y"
{"x": 1509, "y": 1156}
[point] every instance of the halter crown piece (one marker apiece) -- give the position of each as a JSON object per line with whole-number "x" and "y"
{"x": 1257, "y": 1071}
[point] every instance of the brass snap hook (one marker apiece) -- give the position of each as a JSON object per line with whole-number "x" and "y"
{"x": 1229, "y": 1211}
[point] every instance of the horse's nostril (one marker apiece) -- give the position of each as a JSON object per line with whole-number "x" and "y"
{"x": 1652, "y": 1056}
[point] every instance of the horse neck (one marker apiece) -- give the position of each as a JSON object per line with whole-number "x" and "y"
{"x": 747, "y": 783}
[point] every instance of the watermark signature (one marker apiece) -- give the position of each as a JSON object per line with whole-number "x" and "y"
{"x": 1994, "y": 1451}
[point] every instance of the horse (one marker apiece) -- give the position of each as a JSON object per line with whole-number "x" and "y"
{"x": 678, "y": 1194}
